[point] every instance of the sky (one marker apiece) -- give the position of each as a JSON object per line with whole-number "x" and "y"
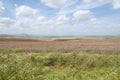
{"x": 60, "y": 17}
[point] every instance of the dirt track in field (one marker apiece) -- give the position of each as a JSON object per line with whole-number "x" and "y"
{"x": 60, "y": 44}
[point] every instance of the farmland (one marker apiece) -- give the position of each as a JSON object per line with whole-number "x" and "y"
{"x": 59, "y": 59}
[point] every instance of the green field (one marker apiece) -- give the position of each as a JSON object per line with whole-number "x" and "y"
{"x": 59, "y": 65}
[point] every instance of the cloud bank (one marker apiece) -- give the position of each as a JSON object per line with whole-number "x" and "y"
{"x": 69, "y": 18}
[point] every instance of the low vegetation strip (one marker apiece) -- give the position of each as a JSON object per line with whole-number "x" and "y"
{"x": 59, "y": 65}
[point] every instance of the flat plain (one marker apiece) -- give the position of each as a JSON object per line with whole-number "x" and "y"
{"x": 59, "y": 44}
{"x": 59, "y": 59}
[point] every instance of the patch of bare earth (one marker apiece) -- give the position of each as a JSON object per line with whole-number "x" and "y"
{"x": 64, "y": 44}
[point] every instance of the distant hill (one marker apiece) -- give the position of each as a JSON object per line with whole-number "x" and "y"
{"x": 16, "y": 35}
{"x": 38, "y": 36}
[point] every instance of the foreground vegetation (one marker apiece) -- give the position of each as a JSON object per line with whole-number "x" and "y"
{"x": 59, "y": 65}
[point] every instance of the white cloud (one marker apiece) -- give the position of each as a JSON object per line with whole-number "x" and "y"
{"x": 54, "y": 3}
{"x": 6, "y": 22}
{"x": 75, "y": 5}
{"x": 24, "y": 22}
{"x": 93, "y": 4}
{"x": 62, "y": 19}
{"x": 82, "y": 14}
{"x": 116, "y": 4}
{"x": 25, "y": 11}
{"x": 87, "y": 1}
{"x": 93, "y": 19}
{"x": 41, "y": 22}
{"x": 97, "y": 3}
{"x": 1, "y": 7}
{"x": 41, "y": 18}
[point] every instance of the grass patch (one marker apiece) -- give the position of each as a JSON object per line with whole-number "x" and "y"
{"x": 59, "y": 65}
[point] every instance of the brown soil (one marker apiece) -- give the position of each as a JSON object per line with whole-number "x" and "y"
{"x": 64, "y": 44}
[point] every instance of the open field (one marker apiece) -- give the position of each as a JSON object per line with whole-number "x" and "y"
{"x": 60, "y": 44}
{"x": 59, "y": 59}
{"x": 57, "y": 65}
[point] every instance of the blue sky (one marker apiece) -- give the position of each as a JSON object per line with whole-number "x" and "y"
{"x": 60, "y": 17}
